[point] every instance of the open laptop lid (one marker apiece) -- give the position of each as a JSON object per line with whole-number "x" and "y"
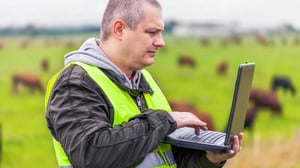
{"x": 236, "y": 118}
{"x": 240, "y": 100}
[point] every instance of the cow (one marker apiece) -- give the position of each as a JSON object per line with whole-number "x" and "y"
{"x": 251, "y": 116}
{"x": 261, "y": 99}
{"x": 26, "y": 79}
{"x": 283, "y": 82}
{"x": 265, "y": 99}
{"x": 183, "y": 106}
{"x": 186, "y": 60}
{"x": 45, "y": 65}
{"x": 222, "y": 67}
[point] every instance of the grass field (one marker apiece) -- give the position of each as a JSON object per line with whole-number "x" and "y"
{"x": 26, "y": 139}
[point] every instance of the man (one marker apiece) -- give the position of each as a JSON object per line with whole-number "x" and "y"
{"x": 105, "y": 110}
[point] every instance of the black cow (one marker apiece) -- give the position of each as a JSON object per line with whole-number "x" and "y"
{"x": 283, "y": 82}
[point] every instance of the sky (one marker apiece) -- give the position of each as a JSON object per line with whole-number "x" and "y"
{"x": 249, "y": 13}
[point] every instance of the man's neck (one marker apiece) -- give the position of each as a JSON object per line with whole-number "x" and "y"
{"x": 112, "y": 55}
{"x": 131, "y": 77}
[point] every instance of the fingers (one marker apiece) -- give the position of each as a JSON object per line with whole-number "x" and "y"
{"x": 187, "y": 119}
{"x": 197, "y": 129}
{"x": 218, "y": 157}
{"x": 237, "y": 143}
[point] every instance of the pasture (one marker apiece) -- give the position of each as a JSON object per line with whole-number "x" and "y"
{"x": 273, "y": 142}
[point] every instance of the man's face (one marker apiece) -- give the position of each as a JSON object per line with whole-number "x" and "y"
{"x": 141, "y": 44}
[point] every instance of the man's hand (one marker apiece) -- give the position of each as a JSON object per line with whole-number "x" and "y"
{"x": 187, "y": 119}
{"x": 218, "y": 157}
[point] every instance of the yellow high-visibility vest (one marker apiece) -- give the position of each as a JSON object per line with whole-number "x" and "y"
{"x": 122, "y": 102}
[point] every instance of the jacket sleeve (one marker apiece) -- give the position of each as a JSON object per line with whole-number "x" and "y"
{"x": 80, "y": 117}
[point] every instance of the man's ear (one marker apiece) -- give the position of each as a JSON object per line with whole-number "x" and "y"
{"x": 118, "y": 28}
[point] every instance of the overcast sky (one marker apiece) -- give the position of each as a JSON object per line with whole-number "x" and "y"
{"x": 80, "y": 12}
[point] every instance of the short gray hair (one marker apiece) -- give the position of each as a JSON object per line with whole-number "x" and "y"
{"x": 131, "y": 11}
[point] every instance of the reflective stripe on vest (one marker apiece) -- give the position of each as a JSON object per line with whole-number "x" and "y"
{"x": 122, "y": 101}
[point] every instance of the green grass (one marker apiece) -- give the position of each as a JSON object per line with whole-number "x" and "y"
{"x": 26, "y": 139}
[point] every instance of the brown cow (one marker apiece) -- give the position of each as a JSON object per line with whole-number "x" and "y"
{"x": 45, "y": 64}
{"x": 222, "y": 67}
{"x": 251, "y": 116}
{"x": 29, "y": 80}
{"x": 188, "y": 107}
{"x": 265, "y": 99}
{"x": 186, "y": 60}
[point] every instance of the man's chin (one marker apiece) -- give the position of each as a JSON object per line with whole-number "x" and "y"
{"x": 147, "y": 63}
{"x": 150, "y": 62}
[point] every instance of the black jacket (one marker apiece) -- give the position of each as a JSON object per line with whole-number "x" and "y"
{"x": 80, "y": 117}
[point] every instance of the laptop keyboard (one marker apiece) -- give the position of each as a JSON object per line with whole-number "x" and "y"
{"x": 206, "y": 136}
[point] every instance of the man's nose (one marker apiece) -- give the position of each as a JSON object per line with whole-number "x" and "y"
{"x": 159, "y": 42}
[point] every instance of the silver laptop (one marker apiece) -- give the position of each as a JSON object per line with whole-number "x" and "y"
{"x": 220, "y": 141}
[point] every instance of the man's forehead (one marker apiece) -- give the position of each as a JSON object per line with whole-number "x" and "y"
{"x": 153, "y": 17}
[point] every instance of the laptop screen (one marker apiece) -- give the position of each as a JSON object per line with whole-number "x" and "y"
{"x": 240, "y": 100}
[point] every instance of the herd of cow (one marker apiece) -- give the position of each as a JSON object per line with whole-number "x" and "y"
{"x": 259, "y": 99}
{"x": 190, "y": 61}
{"x": 260, "y": 39}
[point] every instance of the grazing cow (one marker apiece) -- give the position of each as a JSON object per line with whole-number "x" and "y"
{"x": 186, "y": 60}
{"x": 188, "y": 107}
{"x": 29, "y": 80}
{"x": 251, "y": 116}
{"x": 222, "y": 68}
{"x": 45, "y": 64}
{"x": 265, "y": 99}
{"x": 283, "y": 82}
